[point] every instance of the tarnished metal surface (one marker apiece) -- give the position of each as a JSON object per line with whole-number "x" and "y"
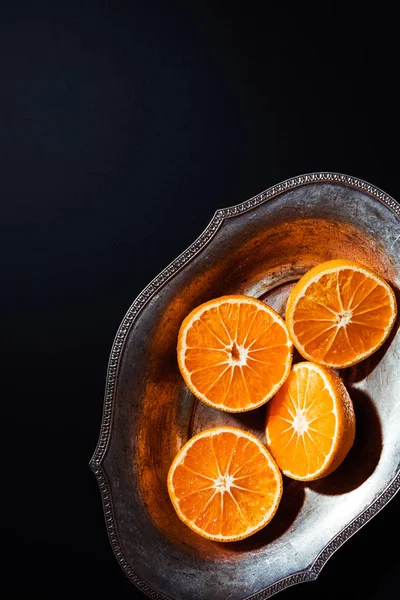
{"x": 258, "y": 248}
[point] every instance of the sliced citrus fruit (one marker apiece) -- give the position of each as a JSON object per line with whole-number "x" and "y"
{"x": 224, "y": 484}
{"x": 339, "y": 313}
{"x": 234, "y": 352}
{"x": 310, "y": 423}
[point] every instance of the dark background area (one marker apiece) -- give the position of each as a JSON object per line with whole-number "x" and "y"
{"x": 123, "y": 126}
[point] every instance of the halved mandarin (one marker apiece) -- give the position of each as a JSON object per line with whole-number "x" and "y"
{"x": 224, "y": 484}
{"x": 310, "y": 423}
{"x": 339, "y": 313}
{"x": 234, "y": 352}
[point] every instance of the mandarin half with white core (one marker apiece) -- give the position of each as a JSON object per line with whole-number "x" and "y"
{"x": 339, "y": 313}
{"x": 310, "y": 424}
{"x": 234, "y": 352}
{"x": 224, "y": 484}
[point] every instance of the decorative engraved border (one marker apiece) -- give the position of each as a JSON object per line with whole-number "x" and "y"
{"x": 154, "y": 286}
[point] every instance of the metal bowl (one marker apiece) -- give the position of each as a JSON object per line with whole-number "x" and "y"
{"x": 259, "y": 248}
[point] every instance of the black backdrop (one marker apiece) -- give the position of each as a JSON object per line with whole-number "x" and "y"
{"x": 123, "y": 126}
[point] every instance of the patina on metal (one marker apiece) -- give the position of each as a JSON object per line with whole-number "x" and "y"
{"x": 259, "y": 248}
